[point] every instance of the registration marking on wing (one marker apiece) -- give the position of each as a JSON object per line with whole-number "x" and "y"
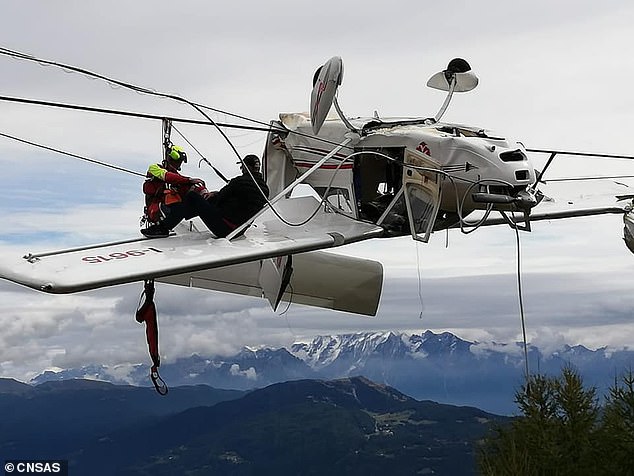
{"x": 119, "y": 255}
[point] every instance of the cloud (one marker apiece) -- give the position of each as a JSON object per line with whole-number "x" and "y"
{"x": 484, "y": 349}
{"x": 249, "y": 373}
{"x": 548, "y": 340}
{"x": 544, "y": 79}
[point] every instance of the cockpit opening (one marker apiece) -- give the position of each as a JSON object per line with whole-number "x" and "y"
{"x": 377, "y": 175}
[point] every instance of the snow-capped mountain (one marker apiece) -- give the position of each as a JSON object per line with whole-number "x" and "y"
{"x": 356, "y": 349}
{"x": 249, "y": 369}
{"x": 440, "y": 367}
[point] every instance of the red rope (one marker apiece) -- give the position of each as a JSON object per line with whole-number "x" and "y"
{"x": 147, "y": 313}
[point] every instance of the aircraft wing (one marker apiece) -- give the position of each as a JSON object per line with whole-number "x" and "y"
{"x": 318, "y": 279}
{"x": 187, "y": 251}
{"x": 569, "y": 200}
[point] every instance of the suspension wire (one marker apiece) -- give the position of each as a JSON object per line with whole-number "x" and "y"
{"x": 70, "y": 154}
{"x": 520, "y": 292}
{"x": 554, "y": 153}
{"x": 142, "y": 90}
{"x": 420, "y": 282}
{"x": 597, "y": 177}
{"x": 140, "y": 115}
{"x": 267, "y": 127}
{"x": 581, "y": 154}
{"x": 138, "y": 89}
{"x": 218, "y": 172}
{"x": 237, "y": 116}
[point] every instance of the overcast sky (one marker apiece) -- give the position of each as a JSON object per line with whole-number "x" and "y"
{"x": 552, "y": 74}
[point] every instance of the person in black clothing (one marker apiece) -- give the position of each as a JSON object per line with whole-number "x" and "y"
{"x": 236, "y": 202}
{"x": 228, "y": 208}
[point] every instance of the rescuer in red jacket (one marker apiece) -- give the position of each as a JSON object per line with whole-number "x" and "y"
{"x": 165, "y": 189}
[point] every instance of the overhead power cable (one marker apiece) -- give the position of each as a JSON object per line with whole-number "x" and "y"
{"x": 597, "y": 177}
{"x": 70, "y": 154}
{"x": 140, "y": 115}
{"x": 520, "y": 294}
{"x": 23, "y": 56}
{"x": 554, "y": 153}
{"x": 141, "y": 90}
{"x": 265, "y": 128}
{"x": 203, "y": 158}
{"x": 581, "y": 154}
{"x": 123, "y": 84}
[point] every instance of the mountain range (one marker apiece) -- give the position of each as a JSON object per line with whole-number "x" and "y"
{"x": 440, "y": 367}
{"x": 348, "y": 426}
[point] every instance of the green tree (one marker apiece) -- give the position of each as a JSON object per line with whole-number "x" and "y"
{"x": 616, "y": 441}
{"x": 576, "y": 424}
{"x": 555, "y": 434}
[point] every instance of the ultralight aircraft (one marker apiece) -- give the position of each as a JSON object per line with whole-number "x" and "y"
{"x": 372, "y": 178}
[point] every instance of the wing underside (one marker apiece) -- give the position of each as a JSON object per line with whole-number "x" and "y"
{"x": 318, "y": 279}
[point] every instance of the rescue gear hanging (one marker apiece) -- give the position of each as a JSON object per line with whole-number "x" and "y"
{"x": 147, "y": 313}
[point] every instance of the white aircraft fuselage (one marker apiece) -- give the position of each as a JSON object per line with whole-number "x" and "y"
{"x": 474, "y": 168}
